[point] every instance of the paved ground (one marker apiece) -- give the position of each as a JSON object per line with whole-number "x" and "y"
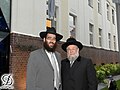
{"x": 102, "y": 85}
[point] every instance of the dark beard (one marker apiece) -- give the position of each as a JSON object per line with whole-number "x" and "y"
{"x": 46, "y": 46}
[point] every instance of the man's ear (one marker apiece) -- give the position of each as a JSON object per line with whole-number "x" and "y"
{"x": 78, "y": 50}
{"x": 44, "y": 39}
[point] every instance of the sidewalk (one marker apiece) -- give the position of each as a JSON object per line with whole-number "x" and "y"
{"x": 102, "y": 85}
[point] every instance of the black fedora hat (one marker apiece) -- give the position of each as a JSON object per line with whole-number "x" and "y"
{"x": 51, "y": 30}
{"x": 71, "y": 41}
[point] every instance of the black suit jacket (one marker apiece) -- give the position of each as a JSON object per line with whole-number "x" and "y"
{"x": 81, "y": 76}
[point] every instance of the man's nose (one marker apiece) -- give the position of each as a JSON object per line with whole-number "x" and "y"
{"x": 71, "y": 51}
{"x": 52, "y": 40}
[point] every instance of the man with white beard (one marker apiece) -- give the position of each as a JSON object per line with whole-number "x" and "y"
{"x": 77, "y": 73}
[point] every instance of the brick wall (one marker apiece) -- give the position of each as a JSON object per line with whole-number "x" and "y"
{"x": 100, "y": 56}
{"x": 22, "y": 45}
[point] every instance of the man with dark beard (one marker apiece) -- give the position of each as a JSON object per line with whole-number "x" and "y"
{"x": 43, "y": 69}
{"x": 77, "y": 73}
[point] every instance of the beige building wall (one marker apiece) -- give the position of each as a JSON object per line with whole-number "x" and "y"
{"x": 29, "y": 18}
{"x": 86, "y": 14}
{"x": 64, "y": 19}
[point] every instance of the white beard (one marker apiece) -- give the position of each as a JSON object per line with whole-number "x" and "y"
{"x": 73, "y": 58}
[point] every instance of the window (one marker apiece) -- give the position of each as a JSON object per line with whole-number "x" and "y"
{"x": 100, "y": 37}
{"x": 5, "y": 7}
{"x": 109, "y": 40}
{"x": 99, "y": 6}
{"x": 90, "y": 3}
{"x": 72, "y": 25}
{"x": 108, "y": 12}
{"x": 50, "y": 22}
{"x": 114, "y": 39}
{"x": 113, "y": 17}
{"x": 91, "y": 27}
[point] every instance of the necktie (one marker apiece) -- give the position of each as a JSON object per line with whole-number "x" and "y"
{"x": 56, "y": 71}
{"x": 71, "y": 63}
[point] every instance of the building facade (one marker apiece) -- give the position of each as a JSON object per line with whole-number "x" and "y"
{"x": 93, "y": 22}
{"x": 90, "y": 21}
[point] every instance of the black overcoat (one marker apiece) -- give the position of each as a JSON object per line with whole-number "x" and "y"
{"x": 81, "y": 76}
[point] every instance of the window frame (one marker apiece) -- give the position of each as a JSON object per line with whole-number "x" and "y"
{"x": 91, "y": 38}
{"x": 72, "y": 25}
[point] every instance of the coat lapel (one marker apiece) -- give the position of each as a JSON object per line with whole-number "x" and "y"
{"x": 75, "y": 64}
{"x": 46, "y": 58}
{"x": 58, "y": 59}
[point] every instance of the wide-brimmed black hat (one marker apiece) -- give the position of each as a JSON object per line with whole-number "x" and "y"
{"x": 72, "y": 41}
{"x": 51, "y": 30}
